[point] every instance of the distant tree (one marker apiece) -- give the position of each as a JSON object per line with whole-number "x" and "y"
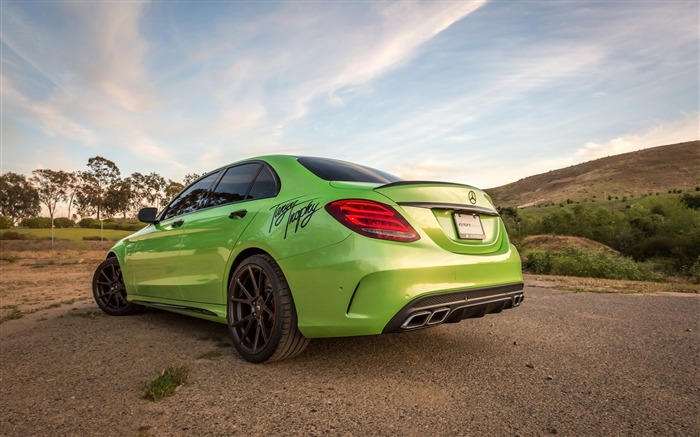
{"x": 72, "y": 185}
{"x": 119, "y": 198}
{"x": 189, "y": 178}
{"x": 101, "y": 176}
{"x": 139, "y": 189}
{"x": 52, "y": 187}
{"x": 156, "y": 189}
{"x": 172, "y": 189}
{"x": 18, "y": 198}
{"x": 149, "y": 190}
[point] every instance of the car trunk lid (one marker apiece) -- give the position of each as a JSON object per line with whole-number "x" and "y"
{"x": 458, "y": 218}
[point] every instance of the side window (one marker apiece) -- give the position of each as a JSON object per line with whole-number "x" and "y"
{"x": 189, "y": 199}
{"x": 265, "y": 185}
{"x": 234, "y": 185}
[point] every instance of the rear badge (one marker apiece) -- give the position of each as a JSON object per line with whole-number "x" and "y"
{"x": 472, "y": 197}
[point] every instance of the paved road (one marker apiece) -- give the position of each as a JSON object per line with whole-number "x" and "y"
{"x": 563, "y": 363}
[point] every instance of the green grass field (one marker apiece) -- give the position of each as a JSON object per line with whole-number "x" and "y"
{"x": 75, "y": 234}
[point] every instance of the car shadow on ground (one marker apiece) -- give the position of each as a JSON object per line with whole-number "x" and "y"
{"x": 447, "y": 342}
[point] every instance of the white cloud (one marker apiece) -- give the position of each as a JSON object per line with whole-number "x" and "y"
{"x": 678, "y": 131}
{"x": 111, "y": 51}
{"x": 324, "y": 53}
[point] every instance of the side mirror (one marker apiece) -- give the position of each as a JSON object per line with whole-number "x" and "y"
{"x": 147, "y": 215}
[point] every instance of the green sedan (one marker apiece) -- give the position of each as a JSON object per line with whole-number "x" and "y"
{"x": 283, "y": 249}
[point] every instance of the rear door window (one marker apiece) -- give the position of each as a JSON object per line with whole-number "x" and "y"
{"x": 234, "y": 185}
{"x": 265, "y": 185}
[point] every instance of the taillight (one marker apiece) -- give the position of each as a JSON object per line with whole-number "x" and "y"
{"x": 372, "y": 219}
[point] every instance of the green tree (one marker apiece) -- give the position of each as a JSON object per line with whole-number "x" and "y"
{"x": 171, "y": 190}
{"x": 189, "y": 178}
{"x": 119, "y": 198}
{"x": 52, "y": 187}
{"x": 101, "y": 176}
{"x": 18, "y": 198}
{"x": 72, "y": 185}
{"x": 149, "y": 190}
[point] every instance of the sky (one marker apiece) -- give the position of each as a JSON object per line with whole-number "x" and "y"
{"x": 477, "y": 92}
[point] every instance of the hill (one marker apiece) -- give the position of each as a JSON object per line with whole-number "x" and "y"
{"x": 655, "y": 170}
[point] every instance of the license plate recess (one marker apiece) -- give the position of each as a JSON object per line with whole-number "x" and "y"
{"x": 469, "y": 226}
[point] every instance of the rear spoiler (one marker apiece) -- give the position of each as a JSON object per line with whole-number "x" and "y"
{"x": 469, "y": 209}
{"x": 404, "y": 183}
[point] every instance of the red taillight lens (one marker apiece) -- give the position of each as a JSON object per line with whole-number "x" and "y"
{"x": 372, "y": 219}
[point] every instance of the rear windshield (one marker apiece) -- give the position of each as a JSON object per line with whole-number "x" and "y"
{"x": 332, "y": 170}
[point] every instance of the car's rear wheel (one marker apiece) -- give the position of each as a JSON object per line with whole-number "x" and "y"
{"x": 262, "y": 319}
{"x": 109, "y": 291}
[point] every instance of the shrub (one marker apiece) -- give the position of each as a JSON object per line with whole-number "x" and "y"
{"x": 5, "y": 222}
{"x": 691, "y": 201}
{"x": 577, "y": 261}
{"x": 63, "y": 222}
{"x": 110, "y": 224}
{"x": 693, "y": 272}
{"x": 88, "y": 222}
{"x": 36, "y": 222}
{"x": 12, "y": 235}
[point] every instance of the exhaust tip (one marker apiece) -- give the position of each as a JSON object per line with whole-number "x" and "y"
{"x": 518, "y": 299}
{"x": 438, "y": 316}
{"x": 416, "y": 320}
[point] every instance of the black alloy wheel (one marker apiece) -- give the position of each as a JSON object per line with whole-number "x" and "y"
{"x": 261, "y": 316}
{"x": 109, "y": 291}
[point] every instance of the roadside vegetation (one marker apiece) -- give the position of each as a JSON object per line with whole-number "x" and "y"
{"x": 650, "y": 237}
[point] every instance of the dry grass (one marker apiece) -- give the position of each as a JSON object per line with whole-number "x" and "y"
{"x": 653, "y": 170}
{"x": 608, "y": 285}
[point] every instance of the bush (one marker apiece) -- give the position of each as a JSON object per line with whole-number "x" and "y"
{"x": 12, "y": 235}
{"x": 693, "y": 272}
{"x": 37, "y": 222}
{"x": 88, "y": 222}
{"x": 110, "y": 224}
{"x": 577, "y": 261}
{"x": 63, "y": 222}
{"x": 5, "y": 222}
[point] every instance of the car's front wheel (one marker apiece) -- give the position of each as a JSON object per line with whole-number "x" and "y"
{"x": 262, "y": 319}
{"x": 109, "y": 291}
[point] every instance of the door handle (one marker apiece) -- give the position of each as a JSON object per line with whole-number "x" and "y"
{"x": 238, "y": 214}
{"x": 178, "y": 223}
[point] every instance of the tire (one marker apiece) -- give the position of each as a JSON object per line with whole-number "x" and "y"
{"x": 109, "y": 291}
{"x": 262, "y": 320}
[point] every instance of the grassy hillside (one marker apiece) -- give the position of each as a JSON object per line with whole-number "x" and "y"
{"x": 655, "y": 170}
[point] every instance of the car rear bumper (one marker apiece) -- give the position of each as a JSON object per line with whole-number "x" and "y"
{"x": 361, "y": 286}
{"x": 435, "y": 309}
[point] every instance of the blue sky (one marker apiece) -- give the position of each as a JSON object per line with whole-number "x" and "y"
{"x": 483, "y": 92}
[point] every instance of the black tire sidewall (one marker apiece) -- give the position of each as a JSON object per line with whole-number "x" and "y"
{"x": 129, "y": 309}
{"x": 274, "y": 341}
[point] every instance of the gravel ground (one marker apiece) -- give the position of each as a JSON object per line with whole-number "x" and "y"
{"x": 563, "y": 363}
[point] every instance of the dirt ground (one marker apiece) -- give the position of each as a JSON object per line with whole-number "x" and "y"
{"x": 69, "y": 370}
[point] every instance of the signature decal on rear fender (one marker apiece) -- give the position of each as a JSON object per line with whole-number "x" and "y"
{"x": 293, "y": 215}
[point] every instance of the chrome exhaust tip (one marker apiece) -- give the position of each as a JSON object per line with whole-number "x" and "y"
{"x": 416, "y": 320}
{"x": 438, "y": 316}
{"x": 518, "y": 299}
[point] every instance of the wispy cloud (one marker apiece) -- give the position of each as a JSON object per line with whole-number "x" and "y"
{"x": 677, "y": 131}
